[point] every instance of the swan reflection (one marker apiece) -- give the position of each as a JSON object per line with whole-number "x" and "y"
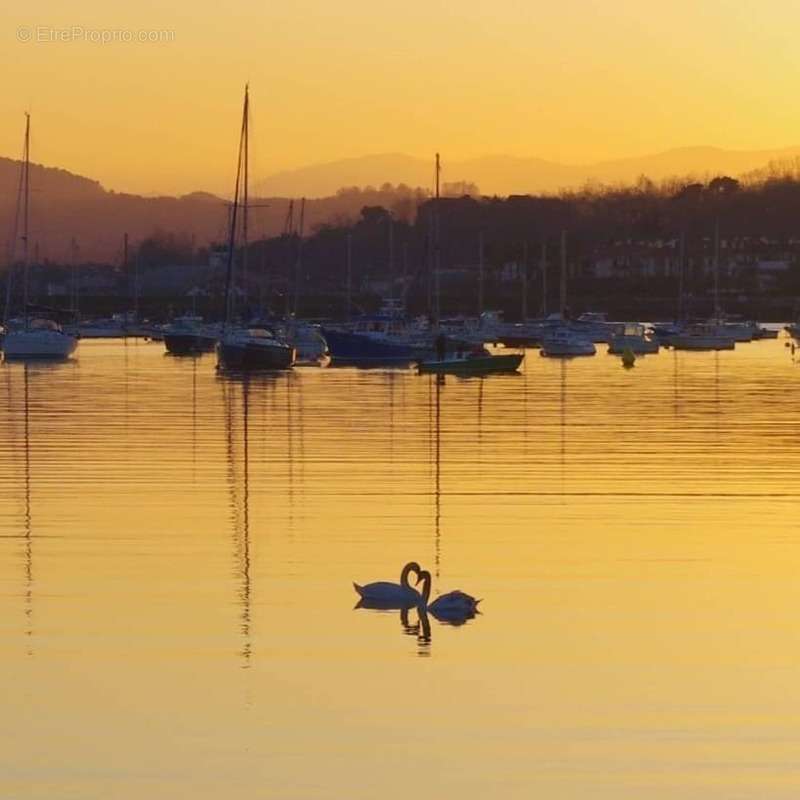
{"x": 454, "y": 609}
{"x": 421, "y": 629}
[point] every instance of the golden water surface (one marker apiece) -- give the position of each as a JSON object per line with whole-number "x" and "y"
{"x": 177, "y": 551}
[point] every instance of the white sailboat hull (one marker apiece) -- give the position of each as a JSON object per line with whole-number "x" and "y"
{"x": 38, "y": 344}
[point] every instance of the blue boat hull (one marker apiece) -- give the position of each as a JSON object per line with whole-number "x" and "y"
{"x": 356, "y": 348}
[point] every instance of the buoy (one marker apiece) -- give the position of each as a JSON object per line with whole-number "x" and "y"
{"x": 628, "y": 358}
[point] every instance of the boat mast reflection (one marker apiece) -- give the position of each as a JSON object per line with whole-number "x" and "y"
{"x": 194, "y": 420}
{"x": 240, "y": 509}
{"x": 563, "y": 424}
{"x": 28, "y": 519}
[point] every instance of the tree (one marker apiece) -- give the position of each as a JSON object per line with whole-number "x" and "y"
{"x": 723, "y": 185}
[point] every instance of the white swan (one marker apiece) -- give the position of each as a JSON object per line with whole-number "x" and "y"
{"x": 383, "y": 594}
{"x": 456, "y": 606}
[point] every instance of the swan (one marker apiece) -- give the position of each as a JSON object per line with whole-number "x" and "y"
{"x": 451, "y": 607}
{"x": 383, "y": 594}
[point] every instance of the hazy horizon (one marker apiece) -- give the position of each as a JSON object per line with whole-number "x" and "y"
{"x": 573, "y": 83}
{"x": 544, "y": 176}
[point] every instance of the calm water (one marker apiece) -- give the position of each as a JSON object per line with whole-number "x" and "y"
{"x": 177, "y": 551}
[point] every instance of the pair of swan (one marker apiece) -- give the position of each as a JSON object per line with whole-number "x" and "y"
{"x": 387, "y": 595}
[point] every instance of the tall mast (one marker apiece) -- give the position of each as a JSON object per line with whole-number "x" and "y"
{"x": 264, "y": 288}
{"x": 298, "y": 267}
{"x": 288, "y": 226}
{"x": 25, "y": 208}
{"x": 73, "y": 248}
{"x": 563, "y": 292}
{"x": 681, "y": 271}
{"x": 480, "y": 273}
{"x": 233, "y": 220}
{"x": 136, "y": 286}
{"x": 349, "y": 275}
{"x": 125, "y": 272}
{"x": 543, "y": 263}
{"x": 716, "y": 270}
{"x": 245, "y": 192}
{"x": 12, "y": 243}
{"x": 436, "y": 248}
{"x": 391, "y": 253}
{"x": 405, "y": 265}
{"x": 524, "y": 281}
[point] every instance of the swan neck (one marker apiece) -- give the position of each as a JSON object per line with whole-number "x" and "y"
{"x": 426, "y": 589}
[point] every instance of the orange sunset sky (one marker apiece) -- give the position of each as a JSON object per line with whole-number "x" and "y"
{"x": 573, "y": 81}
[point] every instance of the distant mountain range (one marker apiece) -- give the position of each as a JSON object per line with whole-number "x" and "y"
{"x": 504, "y": 175}
{"x": 64, "y": 205}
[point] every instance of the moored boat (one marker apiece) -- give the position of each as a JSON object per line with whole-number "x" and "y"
{"x": 470, "y": 364}
{"x": 358, "y": 348}
{"x": 33, "y": 338}
{"x": 311, "y": 348}
{"x": 594, "y": 326}
{"x": 257, "y": 346}
{"x": 702, "y": 337}
{"x": 739, "y": 332}
{"x": 632, "y": 337}
{"x": 188, "y": 335}
{"x": 760, "y": 332}
{"x": 41, "y": 339}
{"x": 254, "y": 349}
{"x": 385, "y": 338}
{"x": 563, "y": 342}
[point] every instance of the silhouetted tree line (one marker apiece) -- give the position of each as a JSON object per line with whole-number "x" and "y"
{"x": 393, "y": 250}
{"x": 391, "y": 254}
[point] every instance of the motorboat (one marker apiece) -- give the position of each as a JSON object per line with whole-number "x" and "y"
{"x": 593, "y": 325}
{"x": 311, "y": 348}
{"x": 760, "y": 332}
{"x": 473, "y": 363}
{"x": 254, "y": 348}
{"x": 385, "y": 338}
{"x": 373, "y": 342}
{"x": 738, "y": 331}
{"x": 565, "y": 342}
{"x": 100, "y": 329}
{"x": 633, "y": 337}
{"x": 189, "y": 335}
{"x": 703, "y": 337}
{"x": 664, "y": 332}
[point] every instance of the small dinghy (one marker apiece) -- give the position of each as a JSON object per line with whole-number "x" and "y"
{"x": 471, "y": 364}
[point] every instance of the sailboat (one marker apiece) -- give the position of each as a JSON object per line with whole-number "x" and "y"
{"x": 714, "y": 334}
{"x": 389, "y": 338}
{"x": 560, "y": 339}
{"x": 33, "y": 338}
{"x": 257, "y": 346}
